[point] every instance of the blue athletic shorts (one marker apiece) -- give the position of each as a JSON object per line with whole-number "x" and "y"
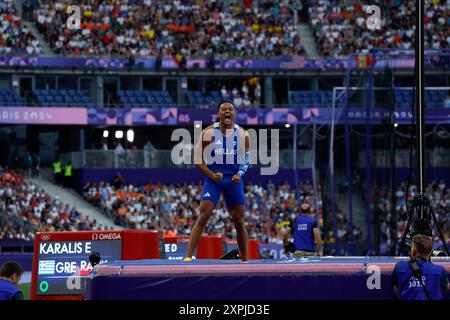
{"x": 233, "y": 193}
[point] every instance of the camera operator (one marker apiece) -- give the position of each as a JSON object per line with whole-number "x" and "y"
{"x": 307, "y": 239}
{"x": 418, "y": 278}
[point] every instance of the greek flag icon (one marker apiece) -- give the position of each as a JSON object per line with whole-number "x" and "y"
{"x": 46, "y": 267}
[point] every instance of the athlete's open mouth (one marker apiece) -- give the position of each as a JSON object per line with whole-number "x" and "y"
{"x": 227, "y": 117}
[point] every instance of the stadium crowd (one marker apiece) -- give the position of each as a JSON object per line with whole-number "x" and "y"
{"x": 182, "y": 28}
{"x": 192, "y": 28}
{"x": 15, "y": 37}
{"x": 26, "y": 209}
{"x": 391, "y": 227}
{"x": 173, "y": 209}
{"x": 341, "y": 29}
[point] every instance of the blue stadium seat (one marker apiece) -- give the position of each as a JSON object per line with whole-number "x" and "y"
{"x": 201, "y": 100}
{"x": 138, "y": 93}
{"x": 191, "y": 100}
{"x": 142, "y": 100}
{"x": 160, "y": 100}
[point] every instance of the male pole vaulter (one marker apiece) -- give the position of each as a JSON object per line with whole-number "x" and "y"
{"x": 225, "y": 142}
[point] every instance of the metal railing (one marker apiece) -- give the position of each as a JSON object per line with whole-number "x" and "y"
{"x": 162, "y": 159}
{"x": 380, "y": 158}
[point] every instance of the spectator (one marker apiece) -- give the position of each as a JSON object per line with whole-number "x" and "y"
{"x": 257, "y": 95}
{"x": 237, "y": 101}
{"x": 16, "y": 38}
{"x": 118, "y": 181}
{"x": 149, "y": 150}
{"x": 245, "y": 89}
{"x": 224, "y": 92}
{"x": 119, "y": 155}
{"x": 36, "y": 160}
{"x": 447, "y": 102}
{"x": 340, "y": 28}
{"x": 28, "y": 164}
{"x": 26, "y": 209}
{"x": 10, "y": 275}
{"x": 158, "y": 206}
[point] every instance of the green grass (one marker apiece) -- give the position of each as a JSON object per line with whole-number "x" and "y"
{"x": 25, "y": 288}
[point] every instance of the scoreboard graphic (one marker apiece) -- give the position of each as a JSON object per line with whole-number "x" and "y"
{"x": 61, "y": 259}
{"x": 175, "y": 248}
{"x": 63, "y": 263}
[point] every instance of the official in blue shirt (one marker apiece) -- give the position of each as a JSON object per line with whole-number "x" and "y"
{"x": 10, "y": 275}
{"x": 307, "y": 239}
{"x": 418, "y": 278}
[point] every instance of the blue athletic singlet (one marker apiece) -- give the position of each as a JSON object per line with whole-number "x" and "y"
{"x": 224, "y": 156}
{"x": 225, "y": 151}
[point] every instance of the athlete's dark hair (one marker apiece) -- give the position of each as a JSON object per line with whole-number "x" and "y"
{"x": 224, "y": 101}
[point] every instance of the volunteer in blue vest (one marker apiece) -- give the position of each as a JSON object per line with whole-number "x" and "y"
{"x": 418, "y": 278}
{"x": 306, "y": 233}
{"x": 10, "y": 275}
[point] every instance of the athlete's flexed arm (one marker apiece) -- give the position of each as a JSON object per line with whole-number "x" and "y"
{"x": 243, "y": 166}
{"x": 205, "y": 139}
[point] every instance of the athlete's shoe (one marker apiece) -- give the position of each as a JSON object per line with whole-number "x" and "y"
{"x": 187, "y": 259}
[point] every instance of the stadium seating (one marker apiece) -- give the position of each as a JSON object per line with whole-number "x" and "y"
{"x": 311, "y": 99}
{"x": 62, "y": 98}
{"x": 9, "y": 97}
{"x": 198, "y": 98}
{"x": 433, "y": 98}
{"x": 146, "y": 98}
{"x": 404, "y": 98}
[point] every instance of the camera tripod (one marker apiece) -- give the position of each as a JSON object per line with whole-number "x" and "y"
{"x": 420, "y": 214}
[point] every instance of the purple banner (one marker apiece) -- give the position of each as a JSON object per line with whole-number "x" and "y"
{"x": 286, "y": 62}
{"x": 182, "y": 116}
{"x": 134, "y": 116}
{"x": 33, "y": 115}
